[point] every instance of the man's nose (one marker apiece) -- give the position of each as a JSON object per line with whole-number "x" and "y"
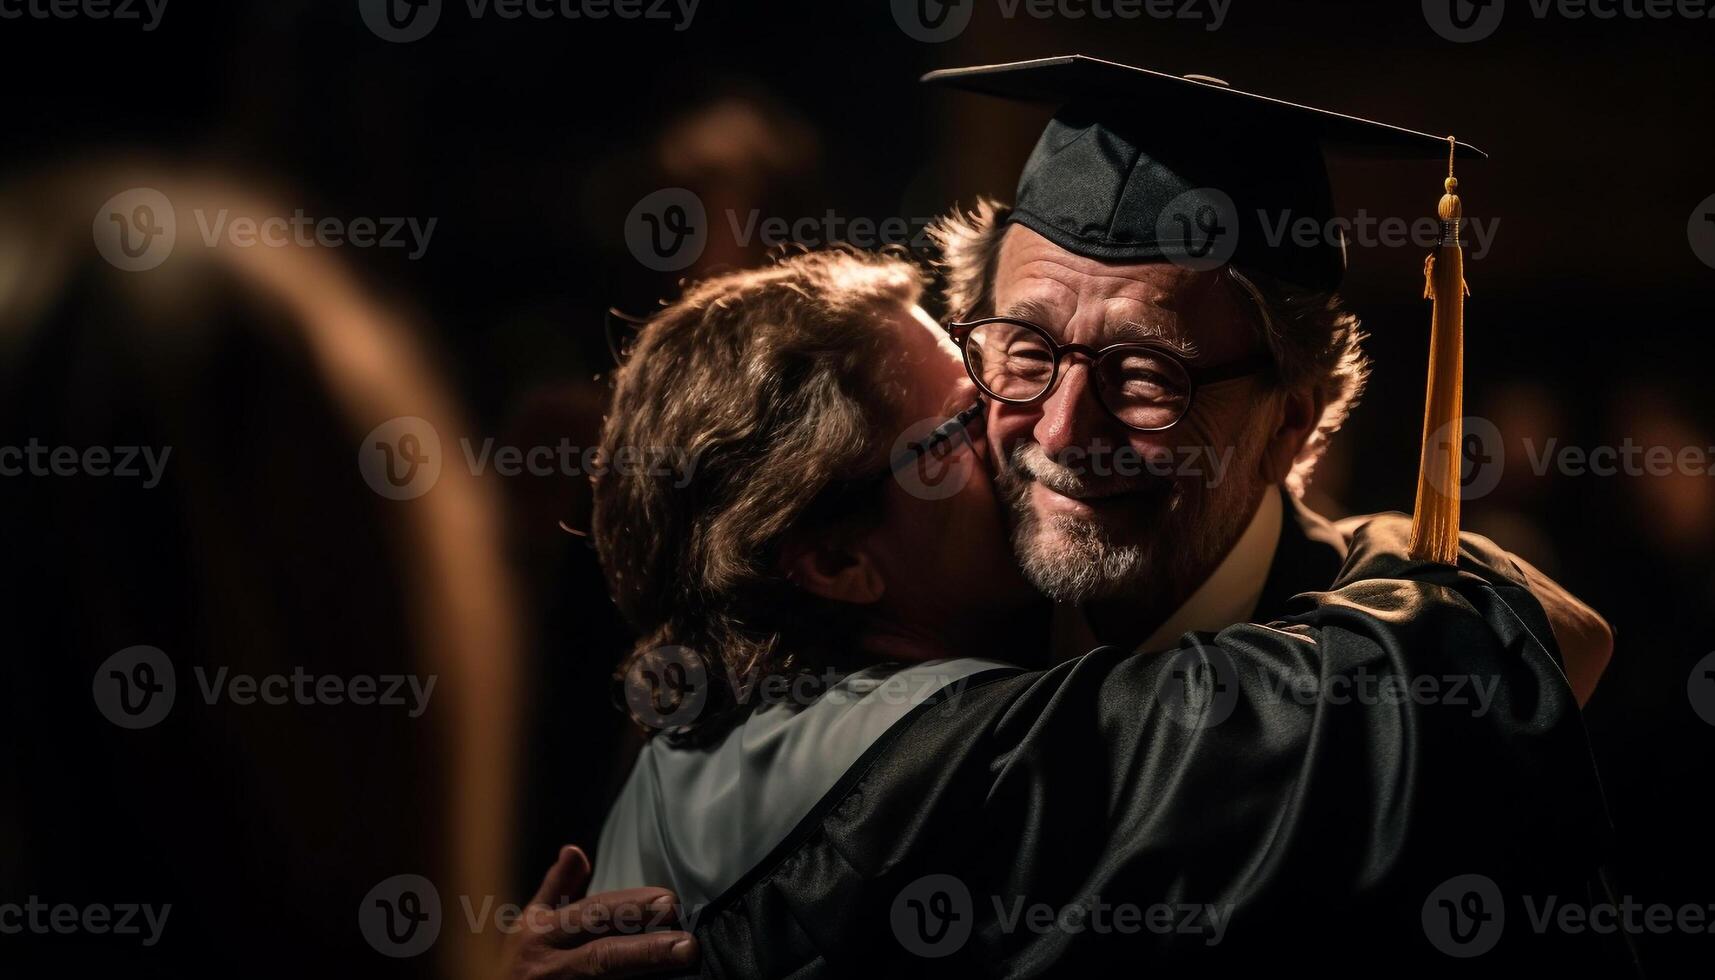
{"x": 1071, "y": 414}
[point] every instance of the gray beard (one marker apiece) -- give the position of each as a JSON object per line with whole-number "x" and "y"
{"x": 1078, "y": 561}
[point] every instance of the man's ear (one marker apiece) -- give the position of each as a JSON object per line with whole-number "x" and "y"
{"x": 833, "y": 568}
{"x": 1300, "y": 411}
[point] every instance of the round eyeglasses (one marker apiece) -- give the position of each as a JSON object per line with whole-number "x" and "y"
{"x": 1146, "y": 386}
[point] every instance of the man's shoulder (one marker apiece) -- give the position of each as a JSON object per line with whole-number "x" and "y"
{"x": 1308, "y": 558}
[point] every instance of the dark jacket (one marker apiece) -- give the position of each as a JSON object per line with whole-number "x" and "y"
{"x": 1332, "y": 792}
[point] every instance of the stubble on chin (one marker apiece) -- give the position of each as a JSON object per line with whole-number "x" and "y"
{"x": 1162, "y": 549}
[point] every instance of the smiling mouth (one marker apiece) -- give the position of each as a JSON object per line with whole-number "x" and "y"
{"x": 1091, "y": 499}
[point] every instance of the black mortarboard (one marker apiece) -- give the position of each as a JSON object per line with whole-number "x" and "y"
{"x": 1138, "y": 164}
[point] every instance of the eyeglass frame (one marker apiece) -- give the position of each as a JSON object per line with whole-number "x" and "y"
{"x": 945, "y": 438}
{"x": 1196, "y": 376}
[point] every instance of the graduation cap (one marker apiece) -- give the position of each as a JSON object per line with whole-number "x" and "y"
{"x": 1139, "y": 165}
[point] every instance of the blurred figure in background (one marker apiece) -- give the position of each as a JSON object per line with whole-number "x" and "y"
{"x": 251, "y": 374}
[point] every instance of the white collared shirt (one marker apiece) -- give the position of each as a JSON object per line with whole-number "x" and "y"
{"x": 1230, "y": 594}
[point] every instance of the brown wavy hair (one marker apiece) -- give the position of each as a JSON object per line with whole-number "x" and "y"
{"x": 765, "y": 390}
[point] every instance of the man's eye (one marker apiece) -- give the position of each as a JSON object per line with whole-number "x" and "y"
{"x": 1030, "y": 359}
{"x": 1144, "y": 379}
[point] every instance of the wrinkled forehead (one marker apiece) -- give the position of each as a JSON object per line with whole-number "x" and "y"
{"x": 1084, "y": 300}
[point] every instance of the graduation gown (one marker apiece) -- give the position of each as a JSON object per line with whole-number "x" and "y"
{"x": 1330, "y": 792}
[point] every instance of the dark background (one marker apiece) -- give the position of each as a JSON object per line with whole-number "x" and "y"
{"x": 530, "y": 140}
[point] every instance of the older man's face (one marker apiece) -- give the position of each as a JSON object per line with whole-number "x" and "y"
{"x": 1103, "y": 511}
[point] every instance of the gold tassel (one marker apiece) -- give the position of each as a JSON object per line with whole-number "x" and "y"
{"x": 1435, "y": 521}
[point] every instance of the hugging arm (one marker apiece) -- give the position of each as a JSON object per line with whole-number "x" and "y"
{"x": 1261, "y": 783}
{"x": 565, "y": 934}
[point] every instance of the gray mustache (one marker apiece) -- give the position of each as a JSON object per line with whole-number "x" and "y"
{"x": 1087, "y": 473}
